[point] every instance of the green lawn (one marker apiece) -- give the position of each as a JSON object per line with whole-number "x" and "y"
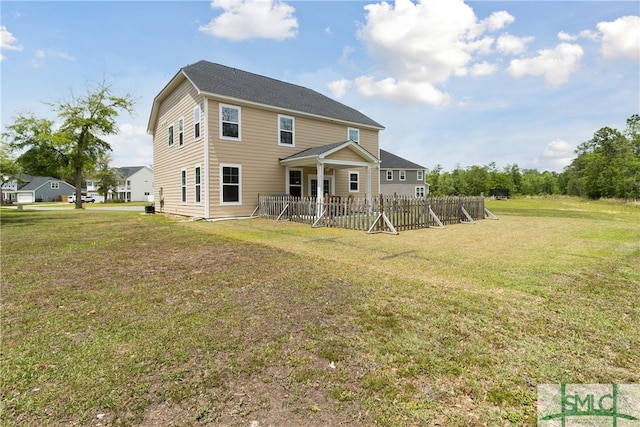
{"x": 118, "y": 318}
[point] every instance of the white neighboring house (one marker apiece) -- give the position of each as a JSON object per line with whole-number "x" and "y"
{"x": 136, "y": 184}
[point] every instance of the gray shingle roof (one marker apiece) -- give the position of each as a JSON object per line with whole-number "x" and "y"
{"x": 37, "y": 182}
{"x": 127, "y": 171}
{"x": 230, "y": 82}
{"x": 391, "y": 161}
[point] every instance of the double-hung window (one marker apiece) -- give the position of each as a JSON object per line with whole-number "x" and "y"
{"x": 180, "y": 131}
{"x": 183, "y": 185}
{"x": 403, "y": 175}
{"x": 196, "y": 122}
{"x": 286, "y": 129}
{"x": 230, "y": 122}
{"x": 354, "y": 135}
{"x": 420, "y": 191}
{"x": 389, "y": 175}
{"x": 420, "y": 176}
{"x": 354, "y": 182}
{"x": 198, "y": 185}
{"x": 230, "y": 184}
{"x": 170, "y": 135}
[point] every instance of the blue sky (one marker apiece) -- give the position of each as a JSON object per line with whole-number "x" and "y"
{"x": 453, "y": 82}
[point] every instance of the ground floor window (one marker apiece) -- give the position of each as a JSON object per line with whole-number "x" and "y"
{"x": 419, "y": 191}
{"x": 183, "y": 185}
{"x": 198, "y": 184}
{"x": 354, "y": 182}
{"x": 231, "y": 184}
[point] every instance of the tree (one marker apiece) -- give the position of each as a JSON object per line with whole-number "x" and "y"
{"x": 85, "y": 120}
{"x": 107, "y": 178}
{"x": 9, "y": 167}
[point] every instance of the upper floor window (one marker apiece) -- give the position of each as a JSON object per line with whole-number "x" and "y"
{"x": 230, "y": 122}
{"x": 389, "y": 175}
{"x": 420, "y": 176}
{"x": 286, "y": 128}
{"x": 55, "y": 185}
{"x": 196, "y": 122}
{"x": 354, "y": 135}
{"x": 403, "y": 175}
{"x": 170, "y": 135}
{"x": 181, "y": 132}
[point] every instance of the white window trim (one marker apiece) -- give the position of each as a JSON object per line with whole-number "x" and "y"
{"x": 420, "y": 176}
{"x": 293, "y": 131}
{"x": 389, "y": 172}
{"x": 55, "y": 185}
{"x": 402, "y": 175}
{"x": 181, "y": 132}
{"x": 195, "y": 185}
{"x": 198, "y": 122}
{"x": 184, "y": 201}
{"x": 171, "y": 135}
{"x": 357, "y": 182}
{"x": 229, "y": 138}
{"x": 424, "y": 190}
{"x": 239, "y": 202}
{"x": 288, "y": 181}
{"x": 349, "y": 136}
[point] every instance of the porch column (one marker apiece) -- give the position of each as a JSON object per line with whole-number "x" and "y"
{"x": 286, "y": 180}
{"x": 368, "y": 193}
{"x": 320, "y": 188}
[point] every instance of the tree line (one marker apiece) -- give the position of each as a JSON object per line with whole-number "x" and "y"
{"x": 606, "y": 166}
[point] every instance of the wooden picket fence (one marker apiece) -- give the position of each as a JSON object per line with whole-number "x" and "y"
{"x": 383, "y": 214}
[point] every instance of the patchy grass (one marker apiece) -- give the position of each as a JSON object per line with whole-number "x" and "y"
{"x": 146, "y": 319}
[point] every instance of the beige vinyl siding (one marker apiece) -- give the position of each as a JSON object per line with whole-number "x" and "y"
{"x": 170, "y": 160}
{"x": 259, "y": 154}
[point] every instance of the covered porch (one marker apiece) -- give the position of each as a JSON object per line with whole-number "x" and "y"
{"x": 314, "y": 172}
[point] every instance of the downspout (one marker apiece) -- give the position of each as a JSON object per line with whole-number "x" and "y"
{"x": 205, "y": 120}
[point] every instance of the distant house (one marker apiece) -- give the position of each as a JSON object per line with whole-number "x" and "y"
{"x": 136, "y": 184}
{"x": 28, "y": 189}
{"x": 223, "y": 136}
{"x": 402, "y": 177}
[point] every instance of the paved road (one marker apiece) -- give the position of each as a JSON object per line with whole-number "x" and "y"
{"x": 49, "y": 207}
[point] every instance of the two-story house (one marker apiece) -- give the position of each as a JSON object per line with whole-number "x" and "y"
{"x": 29, "y": 189}
{"x": 223, "y": 136}
{"x": 136, "y": 184}
{"x": 402, "y": 177}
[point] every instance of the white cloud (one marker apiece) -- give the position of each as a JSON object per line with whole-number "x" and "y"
{"x": 132, "y": 146}
{"x": 512, "y": 45}
{"x": 252, "y": 19}
{"x": 401, "y": 91}
{"x": 483, "y": 69}
{"x": 417, "y": 46}
{"x": 339, "y": 87}
{"x": 566, "y": 37}
{"x": 41, "y": 55}
{"x": 554, "y": 64}
{"x": 621, "y": 38}
{"x": 7, "y": 41}
{"x": 556, "y": 155}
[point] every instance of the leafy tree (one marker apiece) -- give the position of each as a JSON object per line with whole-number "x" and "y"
{"x": 84, "y": 121}
{"x": 107, "y": 177}
{"x": 9, "y": 167}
